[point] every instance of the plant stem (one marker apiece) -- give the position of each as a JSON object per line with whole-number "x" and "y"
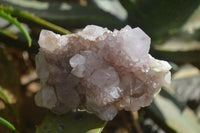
{"x": 35, "y": 19}
{"x": 8, "y": 124}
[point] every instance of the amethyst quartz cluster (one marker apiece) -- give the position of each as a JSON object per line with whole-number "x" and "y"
{"x": 98, "y": 70}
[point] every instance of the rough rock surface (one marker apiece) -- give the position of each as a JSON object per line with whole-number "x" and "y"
{"x": 98, "y": 70}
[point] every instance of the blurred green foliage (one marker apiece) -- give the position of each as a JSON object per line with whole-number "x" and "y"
{"x": 173, "y": 26}
{"x": 159, "y": 18}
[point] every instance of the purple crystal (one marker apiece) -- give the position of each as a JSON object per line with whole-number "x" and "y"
{"x": 98, "y": 70}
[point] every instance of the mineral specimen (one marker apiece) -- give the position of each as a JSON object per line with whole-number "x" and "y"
{"x": 98, "y": 70}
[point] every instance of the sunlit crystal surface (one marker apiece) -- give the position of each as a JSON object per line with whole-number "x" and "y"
{"x": 98, "y": 70}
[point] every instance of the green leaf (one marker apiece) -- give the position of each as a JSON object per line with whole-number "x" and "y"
{"x": 159, "y": 18}
{"x": 128, "y": 4}
{"x": 5, "y": 97}
{"x": 16, "y": 23}
{"x": 187, "y": 86}
{"x": 7, "y": 101}
{"x": 70, "y": 15}
{"x": 112, "y": 6}
{"x": 5, "y": 33}
{"x": 32, "y": 18}
{"x": 7, "y": 80}
{"x": 72, "y": 122}
{"x": 193, "y": 23}
{"x": 8, "y": 124}
{"x": 180, "y": 50}
{"x": 17, "y": 42}
{"x": 176, "y": 115}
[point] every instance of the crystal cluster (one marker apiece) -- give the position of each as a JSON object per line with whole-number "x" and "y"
{"x": 98, "y": 70}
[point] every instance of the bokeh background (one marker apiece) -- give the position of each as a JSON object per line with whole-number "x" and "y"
{"x": 174, "y": 27}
